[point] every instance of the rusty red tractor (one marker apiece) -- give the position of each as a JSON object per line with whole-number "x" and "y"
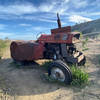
{"x": 59, "y": 46}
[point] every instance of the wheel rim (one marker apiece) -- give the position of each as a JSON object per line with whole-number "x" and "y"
{"x": 57, "y": 74}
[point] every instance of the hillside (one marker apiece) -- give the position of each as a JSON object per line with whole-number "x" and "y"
{"x": 88, "y": 27}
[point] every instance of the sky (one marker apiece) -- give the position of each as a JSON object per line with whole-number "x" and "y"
{"x": 25, "y": 19}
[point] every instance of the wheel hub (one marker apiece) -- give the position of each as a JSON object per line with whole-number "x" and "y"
{"x": 57, "y": 74}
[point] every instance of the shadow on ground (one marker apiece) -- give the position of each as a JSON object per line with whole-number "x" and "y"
{"x": 28, "y": 80}
{"x": 25, "y": 80}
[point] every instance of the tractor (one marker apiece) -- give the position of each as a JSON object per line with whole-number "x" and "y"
{"x": 58, "y": 46}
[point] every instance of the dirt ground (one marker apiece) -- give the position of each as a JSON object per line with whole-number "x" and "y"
{"x": 28, "y": 84}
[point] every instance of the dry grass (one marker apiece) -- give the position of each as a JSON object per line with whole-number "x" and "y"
{"x": 4, "y": 46}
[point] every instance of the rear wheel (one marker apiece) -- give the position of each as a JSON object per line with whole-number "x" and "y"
{"x": 58, "y": 70}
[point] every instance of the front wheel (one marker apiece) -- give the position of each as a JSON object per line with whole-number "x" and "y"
{"x": 58, "y": 70}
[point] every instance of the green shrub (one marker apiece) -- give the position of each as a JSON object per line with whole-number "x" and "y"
{"x": 79, "y": 77}
{"x": 84, "y": 49}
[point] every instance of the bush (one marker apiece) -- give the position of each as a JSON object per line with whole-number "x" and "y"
{"x": 79, "y": 76}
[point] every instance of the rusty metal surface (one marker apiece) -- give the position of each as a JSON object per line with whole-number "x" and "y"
{"x": 22, "y": 50}
{"x": 61, "y": 30}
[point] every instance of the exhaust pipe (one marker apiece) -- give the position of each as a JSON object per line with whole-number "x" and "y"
{"x": 58, "y": 21}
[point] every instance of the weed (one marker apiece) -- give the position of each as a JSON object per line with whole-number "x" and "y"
{"x": 79, "y": 76}
{"x": 84, "y": 49}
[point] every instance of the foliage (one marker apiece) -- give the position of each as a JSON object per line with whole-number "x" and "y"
{"x": 79, "y": 76}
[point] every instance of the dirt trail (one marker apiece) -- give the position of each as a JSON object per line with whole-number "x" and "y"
{"x": 27, "y": 83}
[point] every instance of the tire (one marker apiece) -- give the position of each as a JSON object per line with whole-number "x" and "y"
{"x": 58, "y": 70}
